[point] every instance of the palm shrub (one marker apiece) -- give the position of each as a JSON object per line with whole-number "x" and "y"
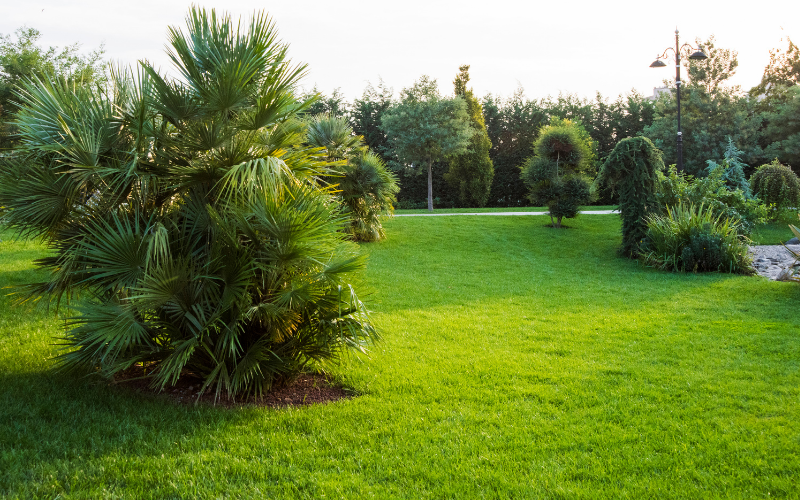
{"x": 631, "y": 169}
{"x": 692, "y": 238}
{"x": 556, "y": 174}
{"x": 366, "y": 188}
{"x": 776, "y": 185}
{"x": 185, "y": 218}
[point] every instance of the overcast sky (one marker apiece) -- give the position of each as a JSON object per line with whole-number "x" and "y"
{"x": 566, "y": 46}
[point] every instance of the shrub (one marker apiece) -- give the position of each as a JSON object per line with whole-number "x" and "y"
{"x": 712, "y": 192}
{"x": 732, "y": 169}
{"x": 367, "y": 190}
{"x": 778, "y": 186}
{"x": 631, "y": 168}
{"x": 690, "y": 238}
{"x": 186, "y": 217}
{"x": 556, "y": 174}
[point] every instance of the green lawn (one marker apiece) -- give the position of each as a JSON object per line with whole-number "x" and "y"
{"x": 488, "y": 210}
{"x": 518, "y": 361}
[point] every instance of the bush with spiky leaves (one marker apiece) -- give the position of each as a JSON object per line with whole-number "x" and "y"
{"x": 367, "y": 190}
{"x": 185, "y": 217}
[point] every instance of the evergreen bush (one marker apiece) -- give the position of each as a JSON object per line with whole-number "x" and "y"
{"x": 556, "y": 174}
{"x": 631, "y": 169}
{"x": 777, "y": 185}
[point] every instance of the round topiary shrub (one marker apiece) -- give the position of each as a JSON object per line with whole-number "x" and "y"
{"x": 776, "y": 185}
{"x": 556, "y": 175}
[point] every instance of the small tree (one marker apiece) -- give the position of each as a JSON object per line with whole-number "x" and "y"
{"x": 776, "y": 185}
{"x": 631, "y": 169}
{"x": 556, "y": 174}
{"x": 472, "y": 172}
{"x": 425, "y": 127}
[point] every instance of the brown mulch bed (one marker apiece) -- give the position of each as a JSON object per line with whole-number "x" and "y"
{"x": 306, "y": 389}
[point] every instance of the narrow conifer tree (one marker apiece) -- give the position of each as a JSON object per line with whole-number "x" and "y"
{"x": 472, "y": 172}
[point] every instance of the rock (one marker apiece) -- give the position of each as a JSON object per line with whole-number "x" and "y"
{"x": 793, "y": 241}
{"x": 773, "y": 261}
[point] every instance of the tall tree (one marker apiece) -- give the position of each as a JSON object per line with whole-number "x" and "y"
{"x": 425, "y": 127}
{"x": 714, "y": 71}
{"x": 471, "y": 173}
{"x": 513, "y": 125}
{"x": 365, "y": 117}
{"x": 782, "y": 72}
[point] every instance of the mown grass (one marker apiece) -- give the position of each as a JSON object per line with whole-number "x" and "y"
{"x": 491, "y": 210}
{"x": 773, "y": 233}
{"x": 518, "y": 361}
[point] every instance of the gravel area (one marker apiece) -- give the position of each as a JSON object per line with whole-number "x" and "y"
{"x": 774, "y": 261}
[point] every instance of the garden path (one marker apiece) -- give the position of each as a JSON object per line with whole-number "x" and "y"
{"x": 591, "y": 212}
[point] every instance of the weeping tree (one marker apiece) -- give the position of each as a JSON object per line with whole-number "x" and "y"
{"x": 556, "y": 174}
{"x": 184, "y": 218}
{"x": 365, "y": 187}
{"x": 631, "y": 170}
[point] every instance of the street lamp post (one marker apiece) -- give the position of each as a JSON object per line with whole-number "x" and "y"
{"x": 697, "y": 55}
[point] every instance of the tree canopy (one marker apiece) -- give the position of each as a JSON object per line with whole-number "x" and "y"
{"x": 425, "y": 127}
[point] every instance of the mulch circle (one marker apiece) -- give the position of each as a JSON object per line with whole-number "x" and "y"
{"x": 305, "y": 389}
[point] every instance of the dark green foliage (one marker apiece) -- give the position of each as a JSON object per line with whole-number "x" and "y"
{"x": 556, "y": 175}
{"x": 776, "y": 185}
{"x": 707, "y": 120}
{"x": 333, "y": 105}
{"x": 471, "y": 173}
{"x": 513, "y": 125}
{"x": 713, "y": 192}
{"x": 185, "y": 218}
{"x": 631, "y": 170}
{"x": 694, "y": 239}
{"x": 365, "y": 118}
{"x": 781, "y": 136}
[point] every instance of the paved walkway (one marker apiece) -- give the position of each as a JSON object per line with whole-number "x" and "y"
{"x": 590, "y": 212}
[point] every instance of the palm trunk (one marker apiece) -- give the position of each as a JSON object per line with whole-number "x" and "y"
{"x": 430, "y": 184}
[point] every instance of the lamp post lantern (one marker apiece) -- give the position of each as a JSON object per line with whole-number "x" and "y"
{"x": 697, "y": 55}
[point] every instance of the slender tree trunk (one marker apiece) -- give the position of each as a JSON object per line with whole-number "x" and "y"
{"x": 552, "y": 221}
{"x": 430, "y": 184}
{"x": 558, "y": 223}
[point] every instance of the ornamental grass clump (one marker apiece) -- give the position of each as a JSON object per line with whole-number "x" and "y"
{"x": 185, "y": 217}
{"x": 693, "y": 239}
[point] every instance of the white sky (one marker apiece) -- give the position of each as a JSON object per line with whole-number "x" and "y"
{"x": 569, "y": 46}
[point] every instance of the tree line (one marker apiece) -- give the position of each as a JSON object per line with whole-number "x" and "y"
{"x": 478, "y": 162}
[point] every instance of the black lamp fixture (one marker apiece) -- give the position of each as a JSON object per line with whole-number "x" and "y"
{"x": 697, "y": 55}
